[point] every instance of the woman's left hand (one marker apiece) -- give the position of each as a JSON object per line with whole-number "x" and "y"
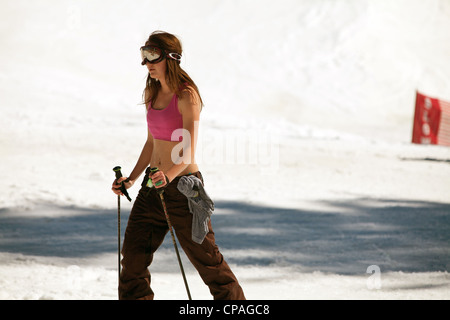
{"x": 160, "y": 180}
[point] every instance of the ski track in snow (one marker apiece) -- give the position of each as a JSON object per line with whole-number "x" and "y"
{"x": 305, "y": 150}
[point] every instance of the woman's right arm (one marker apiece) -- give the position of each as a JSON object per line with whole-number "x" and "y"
{"x": 141, "y": 165}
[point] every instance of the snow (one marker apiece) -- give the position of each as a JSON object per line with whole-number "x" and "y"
{"x": 304, "y": 146}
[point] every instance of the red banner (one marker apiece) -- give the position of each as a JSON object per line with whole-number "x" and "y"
{"x": 431, "y": 121}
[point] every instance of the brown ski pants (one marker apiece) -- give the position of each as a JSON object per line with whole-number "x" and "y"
{"x": 145, "y": 232}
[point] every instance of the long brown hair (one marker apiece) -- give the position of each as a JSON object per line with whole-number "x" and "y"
{"x": 177, "y": 79}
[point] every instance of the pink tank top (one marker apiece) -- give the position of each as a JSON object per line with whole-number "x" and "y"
{"x": 162, "y": 123}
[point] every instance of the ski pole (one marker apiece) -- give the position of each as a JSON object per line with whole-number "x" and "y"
{"x": 124, "y": 191}
{"x": 118, "y": 241}
{"x": 160, "y": 192}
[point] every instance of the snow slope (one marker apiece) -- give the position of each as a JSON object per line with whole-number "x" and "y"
{"x": 304, "y": 144}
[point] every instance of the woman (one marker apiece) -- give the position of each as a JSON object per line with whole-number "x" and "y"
{"x": 173, "y": 111}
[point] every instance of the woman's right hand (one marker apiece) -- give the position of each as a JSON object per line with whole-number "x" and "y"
{"x": 118, "y": 182}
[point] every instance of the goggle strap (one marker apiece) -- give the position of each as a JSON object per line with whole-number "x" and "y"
{"x": 174, "y": 56}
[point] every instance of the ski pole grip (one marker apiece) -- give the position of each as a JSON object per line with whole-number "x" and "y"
{"x": 122, "y": 186}
{"x": 118, "y": 172}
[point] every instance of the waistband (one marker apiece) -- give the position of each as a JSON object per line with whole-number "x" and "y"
{"x": 174, "y": 182}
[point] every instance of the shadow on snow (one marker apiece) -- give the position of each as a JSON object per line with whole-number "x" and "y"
{"x": 345, "y": 237}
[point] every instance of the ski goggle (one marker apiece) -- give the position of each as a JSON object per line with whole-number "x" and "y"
{"x": 154, "y": 54}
